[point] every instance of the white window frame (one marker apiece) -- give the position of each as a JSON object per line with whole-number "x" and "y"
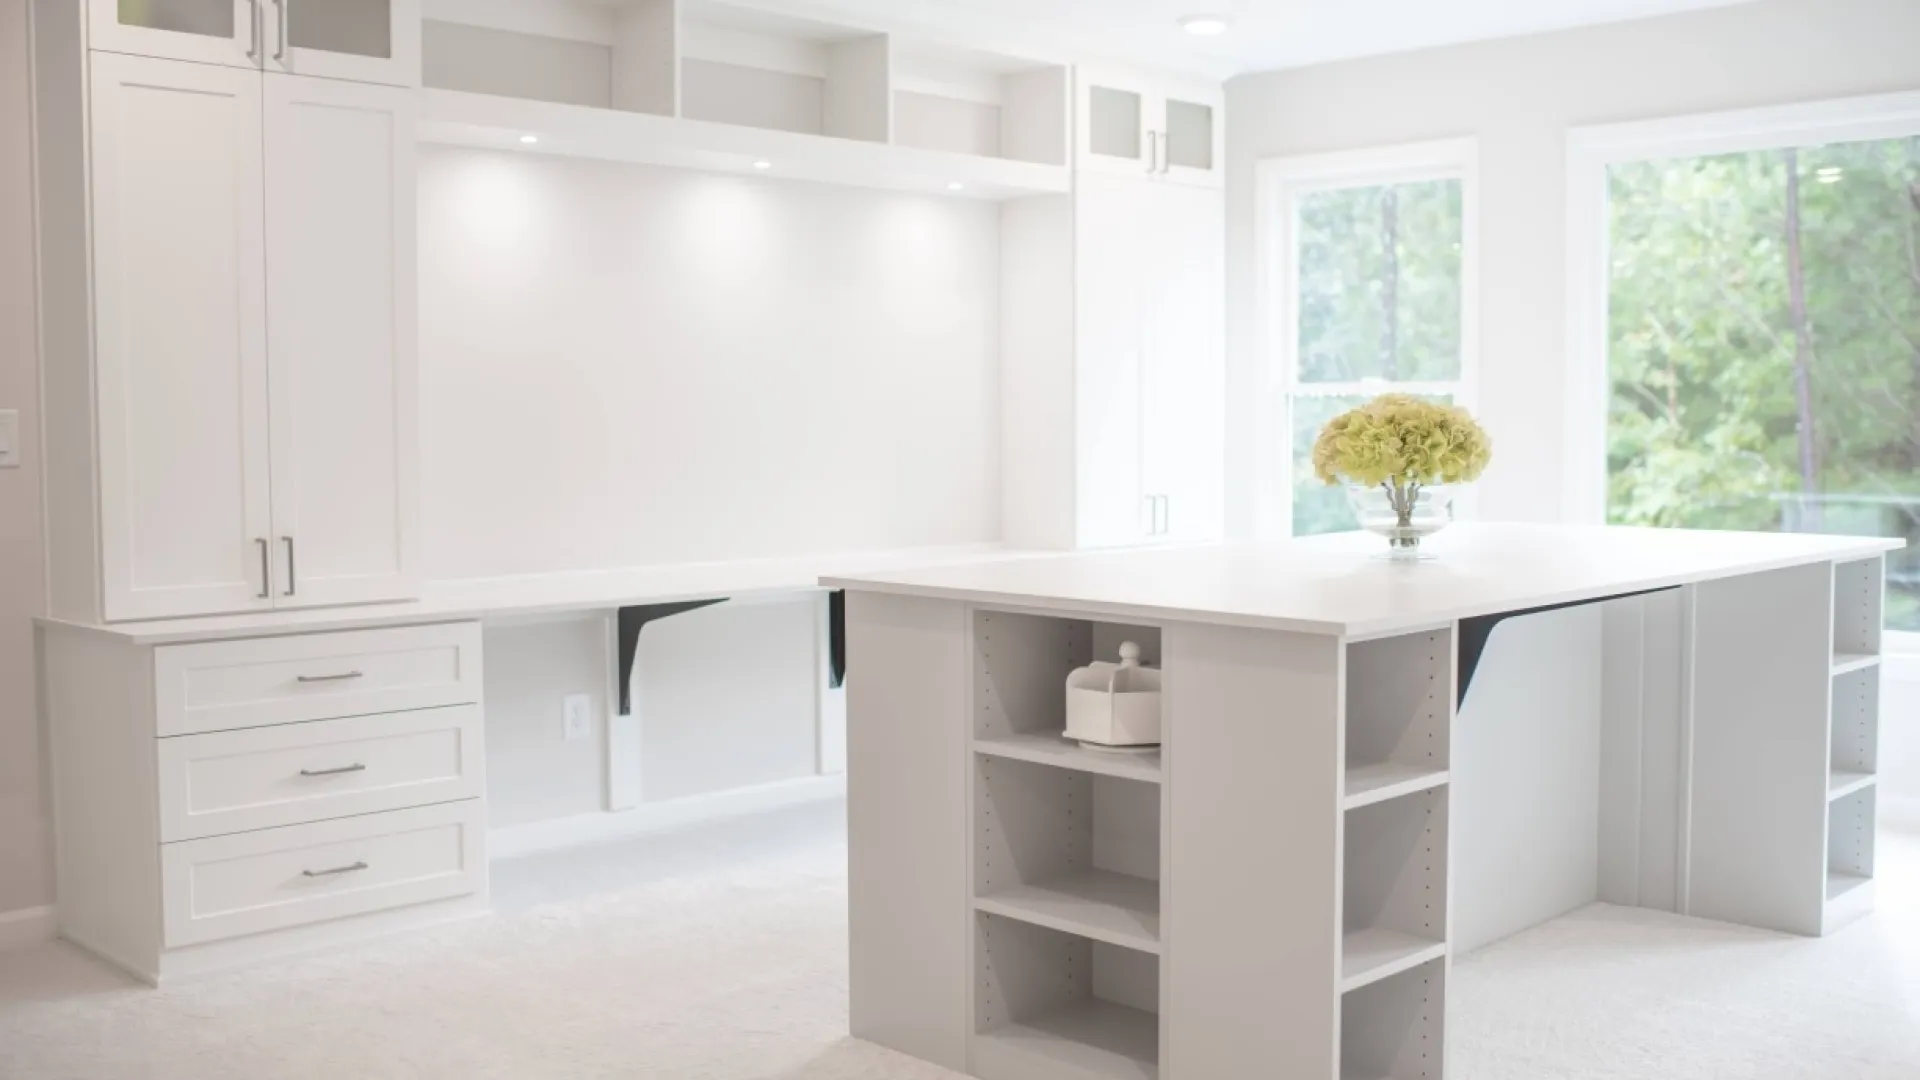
{"x": 1590, "y": 152}
{"x": 1281, "y": 181}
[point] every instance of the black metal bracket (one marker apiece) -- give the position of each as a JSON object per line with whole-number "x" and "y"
{"x": 837, "y": 637}
{"x": 1475, "y": 631}
{"x": 632, "y": 621}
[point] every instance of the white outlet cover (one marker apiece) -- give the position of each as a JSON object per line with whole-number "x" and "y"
{"x": 9, "y": 438}
{"x": 578, "y": 714}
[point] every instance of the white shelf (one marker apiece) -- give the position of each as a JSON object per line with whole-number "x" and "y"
{"x": 1115, "y": 908}
{"x": 1367, "y": 956}
{"x": 1840, "y": 884}
{"x": 1845, "y": 662}
{"x": 1098, "y": 1038}
{"x": 1369, "y": 784}
{"x": 1058, "y": 751}
{"x": 458, "y": 118}
{"x": 1841, "y": 783}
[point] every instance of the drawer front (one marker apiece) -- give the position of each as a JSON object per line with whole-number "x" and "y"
{"x": 250, "y": 883}
{"x": 260, "y": 778}
{"x": 228, "y": 685}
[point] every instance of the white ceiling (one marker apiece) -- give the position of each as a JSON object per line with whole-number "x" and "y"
{"x": 1266, "y": 34}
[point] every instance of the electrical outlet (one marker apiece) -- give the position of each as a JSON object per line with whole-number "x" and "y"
{"x": 9, "y": 439}
{"x": 578, "y": 715}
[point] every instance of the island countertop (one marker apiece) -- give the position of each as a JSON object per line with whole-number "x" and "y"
{"x": 1334, "y": 584}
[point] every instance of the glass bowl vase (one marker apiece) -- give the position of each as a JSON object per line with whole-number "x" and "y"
{"x": 1404, "y": 514}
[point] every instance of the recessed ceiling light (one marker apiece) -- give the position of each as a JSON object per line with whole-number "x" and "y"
{"x": 763, "y": 165}
{"x": 1204, "y": 25}
{"x": 956, "y": 186}
{"x": 529, "y": 139}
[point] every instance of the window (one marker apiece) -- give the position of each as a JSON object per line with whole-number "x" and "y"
{"x": 1367, "y": 288}
{"x": 1759, "y": 315}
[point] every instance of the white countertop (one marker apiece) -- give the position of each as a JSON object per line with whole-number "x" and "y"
{"x": 547, "y": 594}
{"x": 1333, "y": 585}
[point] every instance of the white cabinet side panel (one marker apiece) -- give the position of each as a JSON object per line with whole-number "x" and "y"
{"x": 907, "y": 830}
{"x": 1251, "y": 927}
{"x": 1762, "y": 665}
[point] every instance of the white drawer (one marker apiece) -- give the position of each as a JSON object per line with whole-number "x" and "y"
{"x": 259, "y": 778}
{"x": 249, "y": 883}
{"x": 225, "y": 685}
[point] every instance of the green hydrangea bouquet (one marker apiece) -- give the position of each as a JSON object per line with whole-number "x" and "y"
{"x": 1400, "y": 457}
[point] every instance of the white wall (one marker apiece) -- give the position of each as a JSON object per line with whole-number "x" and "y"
{"x": 726, "y": 697}
{"x": 26, "y": 866}
{"x": 626, "y": 365}
{"x": 1519, "y": 97}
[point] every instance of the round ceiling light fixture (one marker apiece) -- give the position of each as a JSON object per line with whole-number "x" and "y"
{"x": 1204, "y": 25}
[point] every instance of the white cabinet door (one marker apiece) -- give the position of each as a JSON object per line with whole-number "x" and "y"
{"x": 1113, "y": 114}
{"x": 342, "y": 340}
{"x": 376, "y": 41}
{"x": 1111, "y": 247}
{"x": 1184, "y": 374}
{"x": 226, "y": 32}
{"x": 1191, "y": 134}
{"x": 180, "y": 301}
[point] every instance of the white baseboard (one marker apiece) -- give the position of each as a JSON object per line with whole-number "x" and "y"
{"x": 516, "y": 840}
{"x": 27, "y": 927}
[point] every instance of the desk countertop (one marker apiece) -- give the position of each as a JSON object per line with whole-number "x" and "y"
{"x": 1333, "y": 585}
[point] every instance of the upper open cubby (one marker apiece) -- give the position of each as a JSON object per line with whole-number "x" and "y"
{"x": 1021, "y": 664}
{"x": 726, "y": 87}
{"x": 1398, "y": 715}
{"x": 1857, "y": 597}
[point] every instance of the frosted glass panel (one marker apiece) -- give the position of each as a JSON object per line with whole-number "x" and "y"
{"x": 208, "y": 18}
{"x": 1189, "y": 135}
{"x": 1113, "y": 122}
{"x": 350, "y": 27}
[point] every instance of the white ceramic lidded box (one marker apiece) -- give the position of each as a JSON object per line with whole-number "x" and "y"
{"x": 1115, "y": 705}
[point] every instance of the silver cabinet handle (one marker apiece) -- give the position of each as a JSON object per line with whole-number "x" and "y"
{"x": 1153, "y": 152}
{"x": 288, "y": 540}
{"x": 280, "y": 50}
{"x": 352, "y": 868}
{"x": 253, "y": 31}
{"x": 266, "y": 574}
{"x": 1166, "y": 514}
{"x": 341, "y": 771}
{"x": 342, "y": 677}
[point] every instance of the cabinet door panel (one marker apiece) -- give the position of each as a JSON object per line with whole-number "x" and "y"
{"x": 1192, "y": 126}
{"x": 179, "y": 320}
{"x": 1111, "y": 247}
{"x": 1113, "y": 123}
{"x": 226, "y": 32}
{"x": 1184, "y": 373}
{"x": 376, "y": 41}
{"x": 342, "y": 340}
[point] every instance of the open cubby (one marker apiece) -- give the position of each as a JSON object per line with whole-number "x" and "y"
{"x": 603, "y": 57}
{"x": 1850, "y": 827}
{"x": 968, "y": 102}
{"x": 1392, "y": 1029}
{"x": 1855, "y": 756}
{"x": 1857, "y": 595}
{"x": 1394, "y": 908}
{"x": 758, "y": 69}
{"x": 1021, "y": 663}
{"x": 1398, "y": 715}
{"x": 1068, "y": 849}
{"x": 1049, "y": 1000}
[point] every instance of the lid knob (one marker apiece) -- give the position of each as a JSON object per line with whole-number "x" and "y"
{"x": 1129, "y": 654}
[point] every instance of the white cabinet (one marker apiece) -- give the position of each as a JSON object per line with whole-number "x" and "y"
{"x": 254, "y": 372}
{"x": 1151, "y": 369}
{"x": 1140, "y": 125}
{"x": 341, "y": 340}
{"x": 180, "y": 337}
{"x": 366, "y": 40}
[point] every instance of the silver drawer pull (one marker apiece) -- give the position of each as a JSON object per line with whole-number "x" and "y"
{"x": 355, "y": 767}
{"x": 336, "y": 870}
{"x": 342, "y": 677}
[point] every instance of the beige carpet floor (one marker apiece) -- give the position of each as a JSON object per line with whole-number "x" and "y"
{"x": 738, "y": 972}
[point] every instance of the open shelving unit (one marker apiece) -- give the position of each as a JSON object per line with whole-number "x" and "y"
{"x": 1398, "y": 728}
{"x": 1066, "y": 862}
{"x": 730, "y": 88}
{"x": 1853, "y": 726}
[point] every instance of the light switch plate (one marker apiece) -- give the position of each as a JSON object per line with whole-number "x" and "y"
{"x": 9, "y": 438}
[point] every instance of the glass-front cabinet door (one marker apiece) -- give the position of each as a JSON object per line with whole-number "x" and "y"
{"x": 1114, "y": 132}
{"x": 226, "y": 32}
{"x": 376, "y": 41}
{"x": 1192, "y": 138}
